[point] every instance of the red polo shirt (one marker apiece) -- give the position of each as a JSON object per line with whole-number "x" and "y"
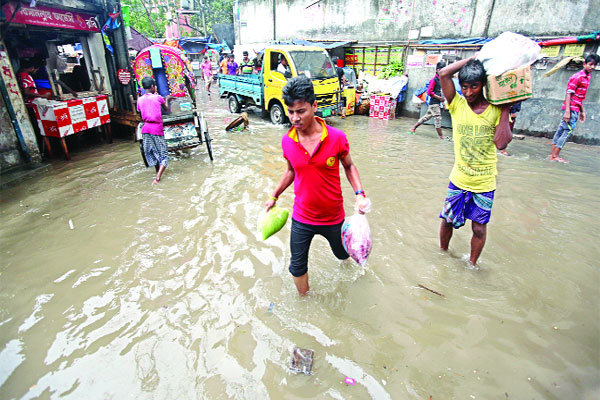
{"x": 317, "y": 186}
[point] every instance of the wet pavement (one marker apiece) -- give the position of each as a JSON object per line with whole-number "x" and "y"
{"x": 111, "y": 287}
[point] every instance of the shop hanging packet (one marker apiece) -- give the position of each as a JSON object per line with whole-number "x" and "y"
{"x": 273, "y": 221}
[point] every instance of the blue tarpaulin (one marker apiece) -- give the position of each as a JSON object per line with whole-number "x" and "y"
{"x": 194, "y": 44}
{"x": 456, "y": 41}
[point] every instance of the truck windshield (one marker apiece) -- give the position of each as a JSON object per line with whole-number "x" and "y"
{"x": 313, "y": 64}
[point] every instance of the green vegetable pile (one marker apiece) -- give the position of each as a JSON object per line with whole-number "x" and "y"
{"x": 394, "y": 68}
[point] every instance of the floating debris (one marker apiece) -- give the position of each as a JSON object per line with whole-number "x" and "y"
{"x": 301, "y": 361}
{"x": 71, "y": 225}
{"x": 349, "y": 381}
{"x": 242, "y": 119}
{"x": 432, "y": 291}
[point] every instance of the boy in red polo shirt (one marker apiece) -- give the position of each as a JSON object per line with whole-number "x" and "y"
{"x": 573, "y": 106}
{"x": 313, "y": 151}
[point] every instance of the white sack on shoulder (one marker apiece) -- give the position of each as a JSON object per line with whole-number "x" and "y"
{"x": 508, "y": 51}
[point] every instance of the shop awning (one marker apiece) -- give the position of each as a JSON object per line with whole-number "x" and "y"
{"x": 138, "y": 41}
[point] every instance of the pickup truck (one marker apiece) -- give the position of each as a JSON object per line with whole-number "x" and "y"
{"x": 263, "y": 88}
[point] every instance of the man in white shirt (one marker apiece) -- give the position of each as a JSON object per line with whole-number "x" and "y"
{"x": 283, "y": 66}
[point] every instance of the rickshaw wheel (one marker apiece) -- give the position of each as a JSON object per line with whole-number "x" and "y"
{"x": 234, "y": 104}
{"x": 208, "y": 141}
{"x": 143, "y": 154}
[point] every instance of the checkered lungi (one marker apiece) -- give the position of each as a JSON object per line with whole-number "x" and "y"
{"x": 155, "y": 149}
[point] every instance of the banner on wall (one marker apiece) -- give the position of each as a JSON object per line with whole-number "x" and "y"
{"x": 50, "y": 17}
{"x": 414, "y": 61}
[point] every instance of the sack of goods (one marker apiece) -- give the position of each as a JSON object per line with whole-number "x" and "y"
{"x": 507, "y": 61}
{"x": 273, "y": 221}
{"x": 356, "y": 238}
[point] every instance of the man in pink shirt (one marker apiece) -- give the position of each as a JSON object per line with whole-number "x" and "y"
{"x": 153, "y": 137}
{"x": 573, "y": 106}
{"x": 207, "y": 73}
{"x": 313, "y": 151}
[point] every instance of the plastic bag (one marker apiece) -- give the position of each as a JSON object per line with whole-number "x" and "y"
{"x": 508, "y": 51}
{"x": 273, "y": 221}
{"x": 416, "y": 100}
{"x": 356, "y": 238}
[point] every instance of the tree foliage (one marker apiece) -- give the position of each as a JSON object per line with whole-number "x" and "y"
{"x": 215, "y": 12}
{"x": 140, "y": 21}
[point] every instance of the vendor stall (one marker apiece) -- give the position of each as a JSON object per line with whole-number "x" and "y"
{"x": 68, "y": 52}
{"x": 59, "y": 119}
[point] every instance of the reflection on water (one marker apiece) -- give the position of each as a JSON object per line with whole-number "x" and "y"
{"x": 164, "y": 291}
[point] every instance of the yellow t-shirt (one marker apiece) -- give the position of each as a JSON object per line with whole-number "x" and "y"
{"x": 475, "y": 156}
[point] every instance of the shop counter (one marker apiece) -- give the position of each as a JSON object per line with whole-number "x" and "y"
{"x": 60, "y": 119}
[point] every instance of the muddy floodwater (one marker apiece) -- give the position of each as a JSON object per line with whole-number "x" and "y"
{"x": 112, "y": 288}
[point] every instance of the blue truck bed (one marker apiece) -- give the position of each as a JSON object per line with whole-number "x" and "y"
{"x": 248, "y": 86}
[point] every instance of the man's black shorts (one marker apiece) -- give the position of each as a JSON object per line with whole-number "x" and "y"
{"x": 301, "y": 237}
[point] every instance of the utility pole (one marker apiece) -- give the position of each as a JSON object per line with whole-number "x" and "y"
{"x": 274, "y": 22}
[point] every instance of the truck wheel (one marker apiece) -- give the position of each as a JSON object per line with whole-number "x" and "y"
{"x": 277, "y": 114}
{"x": 234, "y": 104}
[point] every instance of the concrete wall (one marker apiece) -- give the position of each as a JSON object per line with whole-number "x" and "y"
{"x": 392, "y": 19}
{"x": 9, "y": 150}
{"x": 9, "y": 153}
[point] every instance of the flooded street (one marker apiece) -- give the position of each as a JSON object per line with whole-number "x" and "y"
{"x": 164, "y": 292}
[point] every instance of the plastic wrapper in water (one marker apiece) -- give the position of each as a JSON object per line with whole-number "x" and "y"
{"x": 508, "y": 51}
{"x": 301, "y": 361}
{"x": 356, "y": 238}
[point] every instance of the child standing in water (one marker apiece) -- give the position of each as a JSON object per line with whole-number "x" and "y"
{"x": 573, "y": 106}
{"x": 153, "y": 136}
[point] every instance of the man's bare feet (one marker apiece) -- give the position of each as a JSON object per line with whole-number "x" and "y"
{"x": 155, "y": 181}
{"x": 412, "y": 130}
{"x": 504, "y": 153}
{"x": 561, "y": 160}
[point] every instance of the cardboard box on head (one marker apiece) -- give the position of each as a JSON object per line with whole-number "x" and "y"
{"x": 511, "y": 86}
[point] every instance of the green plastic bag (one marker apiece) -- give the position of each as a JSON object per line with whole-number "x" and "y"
{"x": 273, "y": 221}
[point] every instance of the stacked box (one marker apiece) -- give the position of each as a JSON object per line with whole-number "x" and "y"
{"x": 511, "y": 86}
{"x": 382, "y": 106}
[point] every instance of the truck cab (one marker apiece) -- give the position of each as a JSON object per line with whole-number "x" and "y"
{"x": 313, "y": 62}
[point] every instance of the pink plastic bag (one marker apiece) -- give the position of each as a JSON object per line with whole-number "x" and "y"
{"x": 356, "y": 238}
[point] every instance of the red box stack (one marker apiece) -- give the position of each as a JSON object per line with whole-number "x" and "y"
{"x": 382, "y": 106}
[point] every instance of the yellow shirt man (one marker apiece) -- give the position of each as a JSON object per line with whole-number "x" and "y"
{"x": 475, "y": 156}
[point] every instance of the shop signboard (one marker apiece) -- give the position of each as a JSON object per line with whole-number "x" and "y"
{"x": 574, "y": 50}
{"x": 50, "y": 17}
{"x": 432, "y": 59}
{"x": 550, "y": 51}
{"x": 124, "y": 76}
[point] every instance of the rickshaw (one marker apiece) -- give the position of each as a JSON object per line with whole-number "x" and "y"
{"x": 185, "y": 127}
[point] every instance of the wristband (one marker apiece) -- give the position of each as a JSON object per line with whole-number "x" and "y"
{"x": 360, "y": 192}
{"x": 273, "y": 198}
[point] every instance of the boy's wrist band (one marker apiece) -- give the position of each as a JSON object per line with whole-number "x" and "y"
{"x": 273, "y": 198}
{"x": 360, "y": 192}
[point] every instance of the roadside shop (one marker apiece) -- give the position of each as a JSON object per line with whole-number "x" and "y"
{"x": 61, "y": 52}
